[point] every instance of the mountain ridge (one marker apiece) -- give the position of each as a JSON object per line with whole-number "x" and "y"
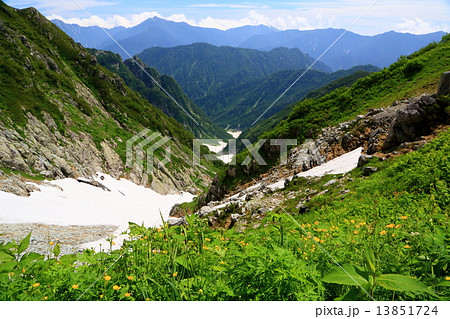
{"x": 259, "y": 37}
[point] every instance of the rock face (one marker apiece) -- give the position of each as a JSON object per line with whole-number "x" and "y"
{"x": 444, "y": 84}
{"x": 410, "y": 123}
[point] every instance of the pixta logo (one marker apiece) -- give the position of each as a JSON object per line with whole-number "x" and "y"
{"x": 253, "y": 149}
{"x": 149, "y": 143}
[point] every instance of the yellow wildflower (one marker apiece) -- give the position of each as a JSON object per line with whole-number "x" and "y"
{"x": 407, "y": 246}
{"x": 316, "y": 222}
{"x": 115, "y": 287}
{"x": 127, "y": 294}
{"x": 316, "y": 239}
{"x": 23, "y": 270}
{"x": 164, "y": 251}
{"x": 398, "y": 226}
{"x": 107, "y": 278}
{"x": 200, "y": 291}
{"x": 205, "y": 247}
{"x": 75, "y": 286}
{"x": 36, "y": 285}
{"x": 390, "y": 226}
{"x": 352, "y": 221}
{"x": 447, "y": 278}
{"x": 175, "y": 274}
{"x": 145, "y": 237}
{"x": 383, "y": 232}
{"x": 207, "y": 239}
{"x": 404, "y": 217}
{"x": 222, "y": 263}
{"x": 51, "y": 243}
{"x": 130, "y": 277}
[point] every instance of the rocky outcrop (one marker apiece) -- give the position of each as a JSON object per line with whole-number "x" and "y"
{"x": 444, "y": 84}
{"x": 40, "y": 149}
{"x": 16, "y": 185}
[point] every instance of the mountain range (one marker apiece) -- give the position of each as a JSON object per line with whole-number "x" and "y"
{"x": 351, "y": 50}
{"x": 136, "y": 73}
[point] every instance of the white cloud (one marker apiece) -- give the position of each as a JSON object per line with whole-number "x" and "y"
{"x": 418, "y": 26}
{"x": 56, "y": 6}
{"x": 421, "y": 17}
{"x": 110, "y": 22}
{"x": 231, "y": 6}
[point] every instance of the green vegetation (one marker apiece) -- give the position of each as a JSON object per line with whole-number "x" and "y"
{"x": 391, "y": 233}
{"x": 202, "y": 68}
{"x": 239, "y": 103}
{"x": 43, "y": 72}
{"x": 139, "y": 81}
{"x": 336, "y": 80}
{"x": 401, "y": 80}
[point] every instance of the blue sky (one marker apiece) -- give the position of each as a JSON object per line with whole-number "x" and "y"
{"x": 412, "y": 16}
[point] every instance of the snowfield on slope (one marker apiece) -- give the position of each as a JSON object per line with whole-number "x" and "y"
{"x": 82, "y": 204}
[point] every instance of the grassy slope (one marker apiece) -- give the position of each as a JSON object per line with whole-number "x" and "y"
{"x": 136, "y": 79}
{"x": 401, "y": 213}
{"x": 54, "y": 89}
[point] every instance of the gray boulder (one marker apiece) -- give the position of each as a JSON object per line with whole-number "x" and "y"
{"x": 368, "y": 170}
{"x": 174, "y": 221}
{"x": 444, "y": 84}
{"x": 409, "y": 124}
{"x": 364, "y": 159}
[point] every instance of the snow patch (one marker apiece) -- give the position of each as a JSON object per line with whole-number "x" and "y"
{"x": 82, "y": 204}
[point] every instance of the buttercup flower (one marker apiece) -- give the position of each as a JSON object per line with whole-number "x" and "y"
{"x": 383, "y": 232}
{"x": 107, "y": 278}
{"x": 127, "y": 294}
{"x": 130, "y": 277}
{"x": 75, "y": 286}
{"x": 404, "y": 217}
{"x": 115, "y": 287}
{"x": 36, "y": 285}
{"x": 407, "y": 246}
{"x": 390, "y": 226}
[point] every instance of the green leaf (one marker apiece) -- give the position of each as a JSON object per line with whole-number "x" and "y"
{"x": 182, "y": 260}
{"x": 7, "y": 266}
{"x": 219, "y": 268}
{"x": 339, "y": 276}
{"x": 6, "y": 255}
{"x": 401, "y": 283}
{"x": 444, "y": 283}
{"x": 369, "y": 257}
{"x": 24, "y": 244}
{"x": 29, "y": 257}
{"x": 350, "y": 295}
{"x": 57, "y": 250}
